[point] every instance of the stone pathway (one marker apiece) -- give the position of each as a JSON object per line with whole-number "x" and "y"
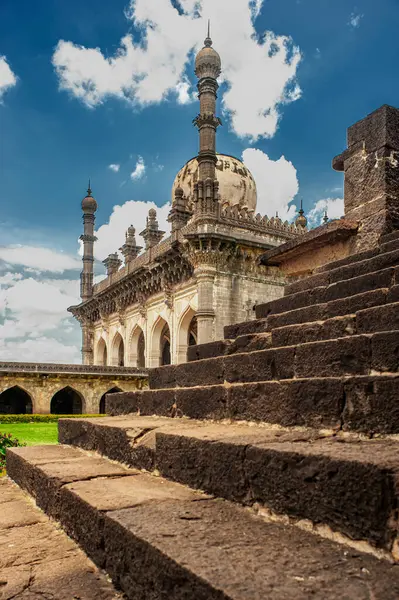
{"x": 38, "y": 560}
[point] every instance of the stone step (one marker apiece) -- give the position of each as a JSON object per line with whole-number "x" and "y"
{"x": 158, "y": 539}
{"x": 317, "y": 312}
{"x": 304, "y": 473}
{"x": 243, "y": 343}
{"x": 389, "y": 237}
{"x": 390, "y": 246}
{"x": 38, "y": 560}
{"x": 342, "y": 272}
{"x": 310, "y": 296}
{"x": 357, "y": 264}
{"x": 361, "y": 403}
{"x": 352, "y": 355}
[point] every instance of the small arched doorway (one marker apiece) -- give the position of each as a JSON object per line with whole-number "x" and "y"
{"x": 102, "y": 354}
{"x": 113, "y": 390}
{"x": 118, "y": 351}
{"x": 165, "y": 346}
{"x": 186, "y": 335}
{"x": 15, "y": 401}
{"x": 137, "y": 348}
{"x": 66, "y": 402}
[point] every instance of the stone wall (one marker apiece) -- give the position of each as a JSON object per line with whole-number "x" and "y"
{"x": 42, "y": 387}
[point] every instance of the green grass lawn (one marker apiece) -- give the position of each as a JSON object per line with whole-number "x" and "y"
{"x": 33, "y": 434}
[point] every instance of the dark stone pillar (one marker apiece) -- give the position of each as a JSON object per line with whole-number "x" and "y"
{"x": 371, "y": 168}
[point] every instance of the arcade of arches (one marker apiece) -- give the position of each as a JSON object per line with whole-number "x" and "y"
{"x": 157, "y": 348}
{"x": 57, "y": 394}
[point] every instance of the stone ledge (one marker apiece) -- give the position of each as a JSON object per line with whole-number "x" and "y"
{"x": 338, "y": 230}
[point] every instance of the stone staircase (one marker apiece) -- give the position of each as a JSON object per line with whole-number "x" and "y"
{"x": 265, "y": 467}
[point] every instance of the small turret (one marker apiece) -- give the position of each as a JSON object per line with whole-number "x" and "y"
{"x": 179, "y": 214}
{"x": 152, "y": 234}
{"x": 130, "y": 250}
{"x": 112, "y": 263}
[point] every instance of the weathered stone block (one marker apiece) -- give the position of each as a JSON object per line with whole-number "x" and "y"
{"x": 385, "y": 351}
{"x": 379, "y": 318}
{"x": 260, "y": 366}
{"x": 202, "y": 402}
{"x": 344, "y": 356}
{"x": 371, "y": 405}
{"x": 306, "y": 402}
{"x": 311, "y": 332}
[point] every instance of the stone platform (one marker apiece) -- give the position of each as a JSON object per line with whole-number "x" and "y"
{"x": 38, "y": 560}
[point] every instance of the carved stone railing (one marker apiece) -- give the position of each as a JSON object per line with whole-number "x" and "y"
{"x": 54, "y": 368}
{"x": 239, "y": 216}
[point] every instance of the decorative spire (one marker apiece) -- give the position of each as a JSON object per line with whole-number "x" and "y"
{"x": 208, "y": 40}
{"x": 89, "y": 189}
{"x": 301, "y": 220}
{"x": 152, "y": 234}
{"x": 179, "y": 214}
{"x": 130, "y": 250}
{"x": 112, "y": 263}
{"x": 325, "y": 218}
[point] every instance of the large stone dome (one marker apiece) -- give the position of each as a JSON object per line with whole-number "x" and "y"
{"x": 236, "y": 183}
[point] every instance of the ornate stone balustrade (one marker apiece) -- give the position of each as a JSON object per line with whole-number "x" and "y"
{"x": 53, "y": 368}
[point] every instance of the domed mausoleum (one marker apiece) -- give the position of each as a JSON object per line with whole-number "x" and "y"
{"x": 236, "y": 183}
{"x": 182, "y": 290}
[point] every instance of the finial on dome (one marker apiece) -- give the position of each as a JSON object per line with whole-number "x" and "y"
{"x": 89, "y": 189}
{"x": 301, "y": 220}
{"x": 208, "y": 40}
{"x": 325, "y": 218}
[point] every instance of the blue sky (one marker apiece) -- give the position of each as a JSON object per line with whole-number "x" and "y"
{"x": 75, "y": 99}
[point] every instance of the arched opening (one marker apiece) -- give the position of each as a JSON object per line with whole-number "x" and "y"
{"x": 15, "y": 401}
{"x": 165, "y": 346}
{"x": 160, "y": 349}
{"x": 102, "y": 354}
{"x": 66, "y": 402}
{"x": 193, "y": 332}
{"x": 118, "y": 351}
{"x": 187, "y": 334}
{"x": 113, "y": 390}
{"x": 137, "y": 348}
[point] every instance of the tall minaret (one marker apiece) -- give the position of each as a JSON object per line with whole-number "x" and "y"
{"x": 89, "y": 207}
{"x": 207, "y": 69}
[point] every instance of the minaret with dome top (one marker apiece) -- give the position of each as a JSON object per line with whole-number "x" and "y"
{"x": 207, "y": 69}
{"x": 89, "y": 207}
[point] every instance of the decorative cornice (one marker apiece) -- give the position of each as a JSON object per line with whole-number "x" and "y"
{"x": 52, "y": 368}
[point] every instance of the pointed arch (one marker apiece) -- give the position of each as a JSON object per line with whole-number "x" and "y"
{"x": 102, "y": 406}
{"x": 137, "y": 348}
{"x": 15, "y": 401}
{"x": 160, "y": 350}
{"x": 186, "y": 334}
{"x": 67, "y": 401}
{"x": 102, "y": 353}
{"x": 118, "y": 351}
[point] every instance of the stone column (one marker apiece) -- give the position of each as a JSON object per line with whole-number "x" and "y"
{"x": 87, "y": 344}
{"x": 371, "y": 168}
{"x": 205, "y": 314}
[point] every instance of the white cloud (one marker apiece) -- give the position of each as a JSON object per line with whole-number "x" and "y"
{"x": 7, "y": 78}
{"x": 41, "y": 349}
{"x": 355, "y": 19}
{"x": 148, "y": 71}
{"x": 42, "y": 259}
{"x": 36, "y": 325}
{"x": 114, "y": 168}
{"x": 334, "y": 207}
{"x": 184, "y": 96}
{"x": 276, "y": 183}
{"x": 139, "y": 170}
{"x": 111, "y": 236}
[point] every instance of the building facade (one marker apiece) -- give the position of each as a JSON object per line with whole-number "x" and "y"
{"x": 184, "y": 289}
